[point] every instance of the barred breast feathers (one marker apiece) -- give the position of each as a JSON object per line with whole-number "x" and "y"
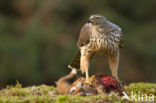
{"x": 106, "y": 40}
{"x": 101, "y": 39}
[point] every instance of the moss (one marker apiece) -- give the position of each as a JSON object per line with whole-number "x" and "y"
{"x": 48, "y": 94}
{"x": 141, "y": 88}
{"x": 146, "y": 88}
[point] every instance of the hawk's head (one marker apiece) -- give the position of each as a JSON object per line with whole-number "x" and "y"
{"x": 97, "y": 19}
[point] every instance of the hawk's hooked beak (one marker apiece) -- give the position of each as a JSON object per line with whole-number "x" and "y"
{"x": 89, "y": 21}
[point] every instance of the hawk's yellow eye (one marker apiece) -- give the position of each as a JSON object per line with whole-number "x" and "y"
{"x": 98, "y": 18}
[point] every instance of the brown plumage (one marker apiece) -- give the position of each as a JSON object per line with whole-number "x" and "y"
{"x": 65, "y": 82}
{"x": 98, "y": 36}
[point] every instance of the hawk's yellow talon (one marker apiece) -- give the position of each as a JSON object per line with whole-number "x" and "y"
{"x": 93, "y": 76}
{"x": 88, "y": 81}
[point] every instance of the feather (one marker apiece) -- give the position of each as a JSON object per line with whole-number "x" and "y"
{"x": 75, "y": 63}
{"x": 85, "y": 34}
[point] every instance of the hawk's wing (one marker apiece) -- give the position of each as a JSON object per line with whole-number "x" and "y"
{"x": 117, "y": 31}
{"x": 83, "y": 39}
{"x": 119, "y": 34}
{"x": 121, "y": 43}
{"x": 85, "y": 34}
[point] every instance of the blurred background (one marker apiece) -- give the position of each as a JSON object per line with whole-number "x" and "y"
{"x": 38, "y": 38}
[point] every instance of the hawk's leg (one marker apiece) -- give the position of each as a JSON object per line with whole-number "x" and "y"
{"x": 84, "y": 64}
{"x": 113, "y": 62}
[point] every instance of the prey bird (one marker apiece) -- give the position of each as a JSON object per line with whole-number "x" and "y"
{"x": 98, "y": 36}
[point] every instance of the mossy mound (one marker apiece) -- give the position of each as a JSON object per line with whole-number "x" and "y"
{"x": 49, "y": 94}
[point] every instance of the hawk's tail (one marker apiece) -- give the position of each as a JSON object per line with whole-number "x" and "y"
{"x": 75, "y": 63}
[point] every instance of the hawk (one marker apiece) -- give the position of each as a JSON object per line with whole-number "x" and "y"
{"x": 98, "y": 36}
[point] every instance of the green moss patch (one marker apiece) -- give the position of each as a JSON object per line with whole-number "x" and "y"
{"x": 49, "y": 94}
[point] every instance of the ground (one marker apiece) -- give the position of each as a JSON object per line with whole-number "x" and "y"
{"x": 49, "y": 94}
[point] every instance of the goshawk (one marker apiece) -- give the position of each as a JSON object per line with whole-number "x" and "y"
{"x": 98, "y": 36}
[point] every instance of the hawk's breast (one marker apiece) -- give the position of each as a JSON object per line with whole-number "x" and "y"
{"x": 104, "y": 44}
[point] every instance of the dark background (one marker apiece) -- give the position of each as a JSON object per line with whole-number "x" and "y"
{"x": 38, "y": 38}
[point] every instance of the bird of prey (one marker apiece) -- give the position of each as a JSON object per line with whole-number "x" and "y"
{"x": 98, "y": 36}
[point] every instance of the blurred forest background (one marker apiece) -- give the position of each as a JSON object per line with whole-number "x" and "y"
{"x": 38, "y": 38}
